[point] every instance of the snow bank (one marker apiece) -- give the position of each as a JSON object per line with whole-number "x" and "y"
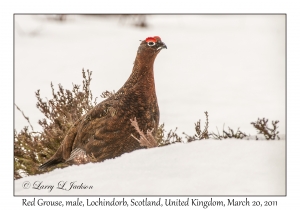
{"x": 206, "y": 167}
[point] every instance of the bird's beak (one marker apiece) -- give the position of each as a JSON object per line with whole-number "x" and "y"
{"x": 162, "y": 45}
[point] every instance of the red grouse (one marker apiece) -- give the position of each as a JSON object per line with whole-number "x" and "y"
{"x": 106, "y": 131}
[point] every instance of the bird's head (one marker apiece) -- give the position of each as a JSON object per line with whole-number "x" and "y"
{"x": 152, "y": 45}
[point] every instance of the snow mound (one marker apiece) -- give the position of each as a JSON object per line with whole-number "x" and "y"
{"x": 206, "y": 167}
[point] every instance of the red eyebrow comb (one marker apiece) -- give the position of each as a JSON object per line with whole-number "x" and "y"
{"x": 151, "y": 39}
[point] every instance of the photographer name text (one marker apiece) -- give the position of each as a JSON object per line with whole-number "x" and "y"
{"x": 62, "y": 185}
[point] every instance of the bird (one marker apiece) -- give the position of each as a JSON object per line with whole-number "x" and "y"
{"x": 106, "y": 132}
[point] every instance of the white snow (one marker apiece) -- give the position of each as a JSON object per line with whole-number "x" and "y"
{"x": 206, "y": 167}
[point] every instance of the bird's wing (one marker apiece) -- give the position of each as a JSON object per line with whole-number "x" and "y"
{"x": 94, "y": 125}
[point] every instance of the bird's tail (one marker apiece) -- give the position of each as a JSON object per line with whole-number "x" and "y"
{"x": 50, "y": 163}
{"x": 64, "y": 150}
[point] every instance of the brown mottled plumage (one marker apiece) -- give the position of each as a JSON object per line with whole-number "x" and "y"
{"x": 105, "y": 131}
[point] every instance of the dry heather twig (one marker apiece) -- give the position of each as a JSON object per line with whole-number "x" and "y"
{"x": 60, "y": 112}
{"x": 147, "y": 140}
{"x": 230, "y": 134}
{"x": 107, "y": 94}
{"x": 199, "y": 134}
{"x": 262, "y": 128}
{"x": 171, "y": 137}
{"x": 27, "y": 118}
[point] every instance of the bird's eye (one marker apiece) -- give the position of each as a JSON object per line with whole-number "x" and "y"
{"x": 151, "y": 44}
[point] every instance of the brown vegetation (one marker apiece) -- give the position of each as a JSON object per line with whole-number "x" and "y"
{"x": 32, "y": 148}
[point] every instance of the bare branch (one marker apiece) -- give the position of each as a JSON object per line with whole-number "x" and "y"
{"x": 27, "y": 118}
